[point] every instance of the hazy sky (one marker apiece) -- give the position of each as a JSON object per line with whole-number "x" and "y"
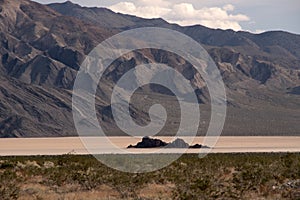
{"x": 249, "y": 15}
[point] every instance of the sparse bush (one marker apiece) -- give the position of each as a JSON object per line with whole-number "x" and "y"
{"x": 9, "y": 185}
{"x": 217, "y": 176}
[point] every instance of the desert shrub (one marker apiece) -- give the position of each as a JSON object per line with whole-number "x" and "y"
{"x": 6, "y": 165}
{"x": 9, "y": 185}
{"x": 217, "y": 176}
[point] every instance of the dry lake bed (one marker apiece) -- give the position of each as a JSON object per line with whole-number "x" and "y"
{"x": 98, "y": 145}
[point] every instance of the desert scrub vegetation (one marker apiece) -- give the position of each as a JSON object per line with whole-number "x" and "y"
{"x": 217, "y": 176}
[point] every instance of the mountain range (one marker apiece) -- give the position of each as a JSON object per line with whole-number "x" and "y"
{"x": 43, "y": 46}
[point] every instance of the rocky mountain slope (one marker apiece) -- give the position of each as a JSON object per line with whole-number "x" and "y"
{"x": 43, "y": 46}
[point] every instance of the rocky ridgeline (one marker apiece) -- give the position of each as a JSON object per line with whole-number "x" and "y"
{"x": 148, "y": 142}
{"x": 43, "y": 46}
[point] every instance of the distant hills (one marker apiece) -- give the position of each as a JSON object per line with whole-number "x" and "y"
{"x": 42, "y": 47}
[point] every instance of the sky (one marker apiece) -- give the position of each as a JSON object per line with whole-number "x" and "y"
{"x": 255, "y": 16}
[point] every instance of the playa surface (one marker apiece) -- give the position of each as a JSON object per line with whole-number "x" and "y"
{"x": 75, "y": 145}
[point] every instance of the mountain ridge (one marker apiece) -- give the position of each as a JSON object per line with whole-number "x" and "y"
{"x": 42, "y": 50}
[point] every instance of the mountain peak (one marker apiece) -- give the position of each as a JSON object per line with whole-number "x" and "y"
{"x": 67, "y": 5}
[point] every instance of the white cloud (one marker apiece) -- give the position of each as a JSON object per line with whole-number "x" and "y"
{"x": 183, "y": 13}
{"x": 228, "y": 7}
{"x": 161, "y": 3}
{"x": 146, "y": 11}
{"x": 258, "y": 31}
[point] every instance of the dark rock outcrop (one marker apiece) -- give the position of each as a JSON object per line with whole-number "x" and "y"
{"x": 178, "y": 143}
{"x": 148, "y": 142}
{"x": 295, "y": 90}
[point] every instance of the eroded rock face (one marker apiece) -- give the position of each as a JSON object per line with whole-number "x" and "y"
{"x": 261, "y": 72}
